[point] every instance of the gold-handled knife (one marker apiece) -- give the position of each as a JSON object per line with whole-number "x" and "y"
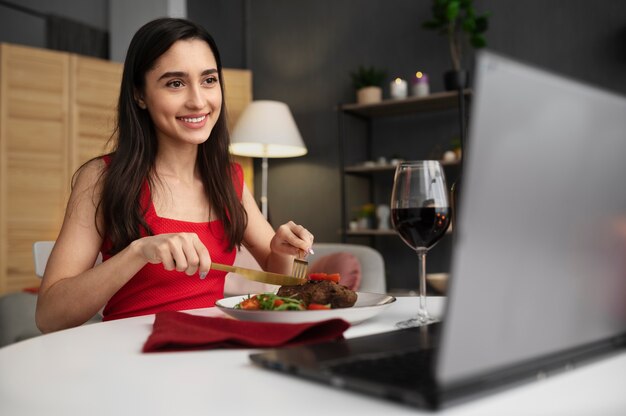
{"x": 260, "y": 276}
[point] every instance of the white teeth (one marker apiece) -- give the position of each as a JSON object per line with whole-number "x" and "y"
{"x": 193, "y": 119}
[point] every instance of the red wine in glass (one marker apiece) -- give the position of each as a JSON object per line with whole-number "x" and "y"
{"x": 420, "y": 213}
{"x": 421, "y": 227}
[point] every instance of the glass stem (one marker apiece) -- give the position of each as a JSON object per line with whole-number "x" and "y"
{"x": 422, "y": 313}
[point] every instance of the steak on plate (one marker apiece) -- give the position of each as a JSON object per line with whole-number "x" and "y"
{"x": 321, "y": 291}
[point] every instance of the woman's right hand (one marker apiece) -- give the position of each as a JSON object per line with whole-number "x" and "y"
{"x": 183, "y": 252}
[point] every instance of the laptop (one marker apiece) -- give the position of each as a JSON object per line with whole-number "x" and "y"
{"x": 537, "y": 276}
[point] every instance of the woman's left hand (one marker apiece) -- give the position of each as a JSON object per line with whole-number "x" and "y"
{"x": 292, "y": 239}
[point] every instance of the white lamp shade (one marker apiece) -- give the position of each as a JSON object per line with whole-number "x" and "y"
{"x": 267, "y": 129}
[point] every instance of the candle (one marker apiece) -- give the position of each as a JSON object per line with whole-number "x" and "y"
{"x": 398, "y": 88}
{"x": 421, "y": 87}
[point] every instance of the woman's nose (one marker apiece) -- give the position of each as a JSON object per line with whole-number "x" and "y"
{"x": 195, "y": 97}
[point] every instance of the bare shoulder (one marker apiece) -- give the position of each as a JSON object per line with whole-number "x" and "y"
{"x": 87, "y": 186}
{"x": 89, "y": 174}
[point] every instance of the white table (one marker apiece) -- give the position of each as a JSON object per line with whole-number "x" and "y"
{"x": 99, "y": 369}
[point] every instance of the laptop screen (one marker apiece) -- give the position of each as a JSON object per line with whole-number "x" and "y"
{"x": 538, "y": 265}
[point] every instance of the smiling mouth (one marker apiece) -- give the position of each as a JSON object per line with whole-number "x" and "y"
{"x": 192, "y": 119}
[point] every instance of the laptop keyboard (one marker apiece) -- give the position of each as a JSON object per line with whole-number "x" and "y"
{"x": 411, "y": 369}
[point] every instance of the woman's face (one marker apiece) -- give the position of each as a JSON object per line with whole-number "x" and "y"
{"x": 182, "y": 93}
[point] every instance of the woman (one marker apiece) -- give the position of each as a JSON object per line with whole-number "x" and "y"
{"x": 167, "y": 201}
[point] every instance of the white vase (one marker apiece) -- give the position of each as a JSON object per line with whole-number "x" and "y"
{"x": 369, "y": 95}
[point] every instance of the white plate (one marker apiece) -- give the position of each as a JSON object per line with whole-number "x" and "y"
{"x": 366, "y": 306}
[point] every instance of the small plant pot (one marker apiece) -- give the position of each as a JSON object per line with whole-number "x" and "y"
{"x": 454, "y": 80}
{"x": 369, "y": 95}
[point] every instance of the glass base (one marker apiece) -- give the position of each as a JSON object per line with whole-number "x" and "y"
{"x": 419, "y": 320}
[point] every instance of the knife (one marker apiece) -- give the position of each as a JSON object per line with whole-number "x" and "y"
{"x": 260, "y": 276}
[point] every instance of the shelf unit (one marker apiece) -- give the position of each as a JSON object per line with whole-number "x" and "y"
{"x": 440, "y": 101}
{"x": 387, "y": 167}
{"x": 436, "y": 102}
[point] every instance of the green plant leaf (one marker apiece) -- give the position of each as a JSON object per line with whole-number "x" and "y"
{"x": 367, "y": 77}
{"x": 452, "y": 11}
{"x": 470, "y": 11}
{"x": 450, "y": 15}
{"x": 478, "y": 41}
{"x": 481, "y": 24}
{"x": 469, "y": 25}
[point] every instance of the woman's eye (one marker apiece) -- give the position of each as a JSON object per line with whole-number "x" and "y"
{"x": 211, "y": 80}
{"x": 175, "y": 84}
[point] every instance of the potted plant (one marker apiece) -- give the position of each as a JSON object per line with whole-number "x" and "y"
{"x": 367, "y": 216}
{"x": 459, "y": 22}
{"x": 368, "y": 82}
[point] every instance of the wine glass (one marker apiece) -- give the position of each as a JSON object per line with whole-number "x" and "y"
{"x": 420, "y": 213}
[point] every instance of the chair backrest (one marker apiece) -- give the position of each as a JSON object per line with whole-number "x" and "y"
{"x": 372, "y": 263}
{"x": 237, "y": 285}
{"x": 41, "y": 253}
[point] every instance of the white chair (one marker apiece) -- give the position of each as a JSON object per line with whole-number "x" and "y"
{"x": 237, "y": 285}
{"x": 17, "y": 310}
{"x": 41, "y": 253}
{"x": 17, "y": 317}
{"x": 372, "y": 263}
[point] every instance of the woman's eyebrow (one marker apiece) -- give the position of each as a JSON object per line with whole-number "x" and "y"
{"x": 182, "y": 74}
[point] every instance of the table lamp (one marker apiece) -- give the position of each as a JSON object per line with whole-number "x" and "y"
{"x": 266, "y": 129}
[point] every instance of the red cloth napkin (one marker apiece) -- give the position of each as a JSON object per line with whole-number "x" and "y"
{"x": 181, "y": 331}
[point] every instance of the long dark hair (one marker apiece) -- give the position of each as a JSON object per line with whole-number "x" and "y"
{"x": 135, "y": 144}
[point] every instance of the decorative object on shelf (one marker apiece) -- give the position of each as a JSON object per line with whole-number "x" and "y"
{"x": 398, "y": 89}
{"x": 421, "y": 87}
{"x": 383, "y": 213}
{"x": 367, "y": 216}
{"x": 449, "y": 156}
{"x": 395, "y": 160}
{"x": 456, "y": 147}
{"x": 459, "y": 22}
{"x": 368, "y": 82}
{"x": 266, "y": 129}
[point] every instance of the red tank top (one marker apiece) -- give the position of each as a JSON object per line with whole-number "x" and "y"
{"x": 154, "y": 289}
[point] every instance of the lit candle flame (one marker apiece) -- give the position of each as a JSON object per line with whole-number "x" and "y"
{"x": 418, "y": 74}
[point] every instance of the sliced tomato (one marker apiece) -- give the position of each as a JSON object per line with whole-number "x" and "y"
{"x": 333, "y": 277}
{"x": 250, "y": 304}
{"x": 278, "y": 302}
{"x": 318, "y": 307}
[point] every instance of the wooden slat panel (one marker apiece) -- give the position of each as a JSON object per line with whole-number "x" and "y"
{"x": 34, "y": 115}
{"x": 95, "y": 87}
{"x": 56, "y": 111}
{"x": 238, "y": 95}
{"x": 19, "y": 263}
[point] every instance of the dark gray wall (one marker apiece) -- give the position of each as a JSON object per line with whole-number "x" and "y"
{"x": 225, "y": 20}
{"x": 302, "y": 52}
{"x": 25, "y": 28}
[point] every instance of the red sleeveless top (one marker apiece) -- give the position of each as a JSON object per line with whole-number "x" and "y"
{"x": 154, "y": 289}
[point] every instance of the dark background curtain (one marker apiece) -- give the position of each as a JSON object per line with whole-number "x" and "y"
{"x": 68, "y": 35}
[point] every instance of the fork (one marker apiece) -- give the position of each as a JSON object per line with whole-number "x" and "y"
{"x": 300, "y": 266}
